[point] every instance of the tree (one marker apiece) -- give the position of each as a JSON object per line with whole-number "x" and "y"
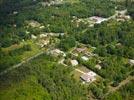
{"x": 67, "y": 43}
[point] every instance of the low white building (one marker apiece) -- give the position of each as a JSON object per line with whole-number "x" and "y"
{"x": 33, "y": 23}
{"x": 41, "y": 27}
{"x": 43, "y": 35}
{"x": 15, "y": 12}
{"x": 97, "y": 19}
{"x": 84, "y": 58}
{"x": 33, "y": 36}
{"x": 131, "y": 62}
{"x": 98, "y": 66}
{"x": 74, "y": 62}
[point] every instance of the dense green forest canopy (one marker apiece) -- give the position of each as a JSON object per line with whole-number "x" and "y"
{"x": 53, "y": 78}
{"x": 14, "y": 26}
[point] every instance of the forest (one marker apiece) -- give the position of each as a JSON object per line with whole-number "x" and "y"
{"x": 47, "y": 75}
{"x": 110, "y": 44}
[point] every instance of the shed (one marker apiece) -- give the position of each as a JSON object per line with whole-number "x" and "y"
{"x": 131, "y": 62}
{"x": 74, "y": 62}
{"x": 98, "y": 66}
{"x": 85, "y": 58}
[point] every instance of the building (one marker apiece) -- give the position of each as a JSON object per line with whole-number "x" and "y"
{"x": 98, "y": 66}
{"x": 15, "y": 12}
{"x": 84, "y": 58}
{"x": 131, "y": 62}
{"x": 57, "y": 52}
{"x": 33, "y": 36}
{"x": 97, "y": 19}
{"x": 44, "y": 43}
{"x": 89, "y": 77}
{"x": 74, "y": 62}
{"x": 81, "y": 50}
{"x": 41, "y": 27}
{"x": 43, "y": 35}
{"x": 33, "y": 23}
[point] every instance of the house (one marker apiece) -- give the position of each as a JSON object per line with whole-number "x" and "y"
{"x": 74, "y": 62}
{"x": 57, "y": 52}
{"x": 131, "y": 62}
{"x": 41, "y": 27}
{"x": 34, "y": 23}
{"x": 84, "y": 58}
{"x": 43, "y": 43}
{"x": 33, "y": 36}
{"x": 15, "y": 12}
{"x": 55, "y": 34}
{"x": 89, "y": 77}
{"x": 43, "y": 35}
{"x": 98, "y": 66}
{"x": 93, "y": 48}
{"x": 80, "y": 50}
{"x": 97, "y": 19}
{"x": 122, "y": 17}
{"x": 90, "y": 54}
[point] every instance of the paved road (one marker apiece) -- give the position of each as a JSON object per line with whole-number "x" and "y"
{"x": 23, "y": 62}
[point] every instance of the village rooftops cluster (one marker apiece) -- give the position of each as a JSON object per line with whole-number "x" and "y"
{"x": 91, "y": 20}
{"x": 44, "y": 38}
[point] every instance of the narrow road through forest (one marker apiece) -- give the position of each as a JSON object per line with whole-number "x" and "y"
{"x": 124, "y": 82}
{"x": 23, "y": 62}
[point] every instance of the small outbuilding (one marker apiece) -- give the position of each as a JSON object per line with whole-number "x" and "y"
{"x": 33, "y": 36}
{"x": 74, "y": 62}
{"x": 84, "y": 58}
{"x": 43, "y": 35}
{"x": 131, "y": 62}
{"x": 98, "y": 66}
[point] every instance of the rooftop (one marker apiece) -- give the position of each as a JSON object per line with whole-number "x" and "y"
{"x": 89, "y": 77}
{"x": 85, "y": 58}
{"x": 74, "y": 62}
